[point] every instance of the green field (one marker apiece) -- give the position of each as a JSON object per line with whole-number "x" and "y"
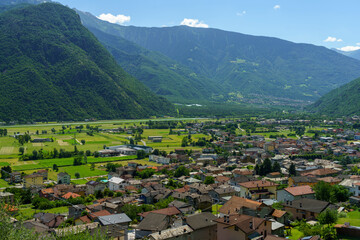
{"x": 26, "y": 212}
{"x": 71, "y": 138}
{"x": 351, "y": 217}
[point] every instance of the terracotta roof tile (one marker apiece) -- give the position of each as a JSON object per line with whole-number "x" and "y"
{"x": 300, "y": 190}
{"x": 236, "y": 203}
{"x": 278, "y": 213}
{"x": 165, "y": 211}
{"x": 259, "y": 183}
{"x": 70, "y": 195}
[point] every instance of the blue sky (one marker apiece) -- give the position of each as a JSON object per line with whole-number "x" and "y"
{"x": 330, "y": 23}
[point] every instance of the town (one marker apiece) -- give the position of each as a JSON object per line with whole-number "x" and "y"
{"x": 245, "y": 178}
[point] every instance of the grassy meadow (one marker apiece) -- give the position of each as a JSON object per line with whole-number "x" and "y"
{"x": 71, "y": 138}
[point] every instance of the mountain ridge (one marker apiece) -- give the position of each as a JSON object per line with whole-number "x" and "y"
{"x": 245, "y": 64}
{"x": 53, "y": 68}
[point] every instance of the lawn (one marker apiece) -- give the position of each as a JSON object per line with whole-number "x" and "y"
{"x": 3, "y": 183}
{"x": 83, "y": 170}
{"x": 295, "y": 234}
{"x": 48, "y": 163}
{"x": 215, "y": 208}
{"x": 351, "y": 217}
{"x": 79, "y": 181}
{"x": 28, "y": 212}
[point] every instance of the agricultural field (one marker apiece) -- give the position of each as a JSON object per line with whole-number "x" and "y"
{"x": 67, "y": 137}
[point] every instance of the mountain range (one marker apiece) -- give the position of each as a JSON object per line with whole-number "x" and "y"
{"x": 53, "y": 68}
{"x": 245, "y": 67}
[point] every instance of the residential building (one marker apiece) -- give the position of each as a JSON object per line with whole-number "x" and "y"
{"x": 305, "y": 208}
{"x": 33, "y": 180}
{"x": 242, "y": 227}
{"x": 259, "y": 189}
{"x": 63, "y": 178}
{"x": 294, "y": 193}
{"x": 94, "y": 186}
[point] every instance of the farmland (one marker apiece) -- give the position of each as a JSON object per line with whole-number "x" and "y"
{"x": 70, "y": 137}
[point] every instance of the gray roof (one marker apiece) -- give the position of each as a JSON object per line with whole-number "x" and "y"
{"x": 310, "y": 205}
{"x": 114, "y": 219}
{"x": 201, "y": 220}
{"x": 154, "y": 222}
{"x": 62, "y": 174}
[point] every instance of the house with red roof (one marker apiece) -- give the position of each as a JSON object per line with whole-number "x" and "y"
{"x": 260, "y": 189}
{"x": 295, "y": 193}
{"x": 70, "y": 195}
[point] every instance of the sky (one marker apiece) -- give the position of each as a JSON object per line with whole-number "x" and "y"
{"x": 329, "y": 23}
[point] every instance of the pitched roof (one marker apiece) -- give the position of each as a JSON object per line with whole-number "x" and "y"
{"x": 153, "y": 222}
{"x": 311, "y": 205}
{"x": 165, "y": 211}
{"x": 201, "y": 220}
{"x": 321, "y": 172}
{"x": 300, "y": 190}
{"x": 278, "y": 213}
{"x": 258, "y": 183}
{"x": 114, "y": 219}
{"x": 246, "y": 223}
{"x": 85, "y": 219}
{"x": 304, "y": 179}
{"x": 236, "y": 203}
{"x": 99, "y": 214}
{"x": 70, "y": 195}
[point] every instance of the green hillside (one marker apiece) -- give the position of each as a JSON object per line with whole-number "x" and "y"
{"x": 343, "y": 101}
{"x": 249, "y": 67}
{"x": 161, "y": 74}
{"x": 53, "y": 68}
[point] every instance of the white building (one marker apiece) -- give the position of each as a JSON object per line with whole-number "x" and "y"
{"x": 116, "y": 183}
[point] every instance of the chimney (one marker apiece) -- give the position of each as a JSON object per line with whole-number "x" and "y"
{"x": 251, "y": 225}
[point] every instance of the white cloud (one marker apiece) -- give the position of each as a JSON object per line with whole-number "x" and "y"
{"x": 193, "y": 23}
{"x": 241, "y": 13}
{"x": 333, "y": 39}
{"x": 349, "y": 48}
{"x": 119, "y": 19}
{"x": 358, "y": 43}
{"x": 276, "y": 7}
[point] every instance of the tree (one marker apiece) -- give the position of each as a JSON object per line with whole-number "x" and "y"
{"x": 85, "y": 159}
{"x": 328, "y": 217}
{"x": 55, "y": 168}
{"x": 184, "y": 142}
{"x": 209, "y": 180}
{"x": 276, "y": 167}
{"x": 92, "y": 167}
{"x": 83, "y": 142}
{"x": 329, "y": 233}
{"x": 339, "y": 194}
{"x": 292, "y": 170}
{"x": 181, "y": 171}
{"x": 141, "y": 154}
{"x": 5, "y": 172}
{"x": 77, "y": 160}
{"x": 322, "y": 191}
{"x": 21, "y": 150}
{"x": 77, "y": 175}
